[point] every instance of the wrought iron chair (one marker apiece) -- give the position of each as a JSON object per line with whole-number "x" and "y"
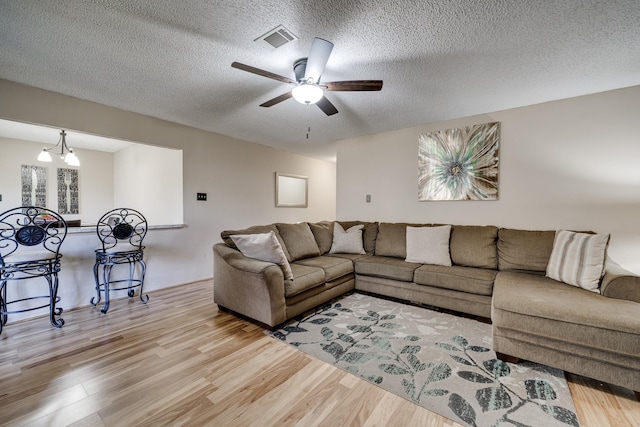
{"x": 30, "y": 240}
{"x": 121, "y": 232}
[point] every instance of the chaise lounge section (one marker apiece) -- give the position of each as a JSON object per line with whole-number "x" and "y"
{"x": 598, "y": 336}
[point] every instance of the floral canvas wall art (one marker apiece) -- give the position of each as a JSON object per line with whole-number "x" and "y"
{"x": 459, "y": 164}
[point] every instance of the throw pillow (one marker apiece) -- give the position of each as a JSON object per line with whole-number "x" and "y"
{"x": 256, "y": 229}
{"x": 369, "y": 233}
{"x": 429, "y": 245}
{"x": 264, "y": 247}
{"x": 578, "y": 259}
{"x": 347, "y": 242}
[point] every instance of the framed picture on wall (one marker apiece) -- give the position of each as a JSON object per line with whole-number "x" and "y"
{"x": 67, "y": 191}
{"x": 291, "y": 191}
{"x": 34, "y": 185}
{"x": 459, "y": 164}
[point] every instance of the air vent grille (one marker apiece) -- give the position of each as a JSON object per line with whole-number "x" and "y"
{"x": 277, "y": 37}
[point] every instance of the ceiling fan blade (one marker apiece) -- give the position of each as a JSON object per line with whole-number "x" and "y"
{"x": 262, "y": 73}
{"x": 326, "y": 106}
{"x": 354, "y": 85}
{"x": 276, "y": 100}
{"x": 318, "y": 57}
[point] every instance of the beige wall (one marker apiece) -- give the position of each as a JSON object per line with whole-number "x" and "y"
{"x": 238, "y": 177}
{"x": 570, "y": 164}
{"x": 149, "y": 179}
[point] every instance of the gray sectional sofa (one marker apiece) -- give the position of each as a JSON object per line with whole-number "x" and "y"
{"x": 496, "y": 273}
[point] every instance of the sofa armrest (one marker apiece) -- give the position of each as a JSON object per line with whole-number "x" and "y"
{"x": 620, "y": 283}
{"x": 248, "y": 286}
{"x": 237, "y": 260}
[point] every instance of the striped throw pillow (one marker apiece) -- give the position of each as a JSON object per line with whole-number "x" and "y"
{"x": 578, "y": 259}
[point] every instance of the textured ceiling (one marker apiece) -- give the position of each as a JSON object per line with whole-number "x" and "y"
{"x": 439, "y": 59}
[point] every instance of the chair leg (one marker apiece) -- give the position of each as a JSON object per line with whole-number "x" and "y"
{"x": 106, "y": 276}
{"x": 94, "y": 301}
{"x": 132, "y": 271}
{"x": 142, "y": 273}
{"x": 52, "y": 279}
{"x": 3, "y": 304}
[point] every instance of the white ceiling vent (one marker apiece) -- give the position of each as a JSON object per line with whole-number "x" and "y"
{"x": 278, "y": 36}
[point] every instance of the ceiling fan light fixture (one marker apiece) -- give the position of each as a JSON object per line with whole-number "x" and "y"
{"x": 307, "y": 93}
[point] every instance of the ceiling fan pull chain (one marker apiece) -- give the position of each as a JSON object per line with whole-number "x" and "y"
{"x": 308, "y": 120}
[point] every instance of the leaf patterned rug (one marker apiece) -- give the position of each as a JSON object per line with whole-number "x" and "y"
{"x": 439, "y": 361}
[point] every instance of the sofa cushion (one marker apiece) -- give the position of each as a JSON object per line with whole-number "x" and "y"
{"x": 578, "y": 259}
{"x": 392, "y": 239}
{"x": 304, "y": 277}
{"x": 387, "y": 267}
{"x": 474, "y": 246}
{"x": 350, "y": 257}
{"x": 299, "y": 240}
{"x": 264, "y": 247}
{"x": 256, "y": 229}
{"x": 465, "y": 279}
{"x": 567, "y": 327}
{"x": 347, "y": 242}
{"x": 429, "y": 245}
{"x": 549, "y": 299}
{"x": 369, "y": 233}
{"x": 333, "y": 267}
{"x": 524, "y": 250}
{"x": 323, "y": 233}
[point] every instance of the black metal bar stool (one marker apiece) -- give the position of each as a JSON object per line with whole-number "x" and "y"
{"x": 30, "y": 240}
{"x": 121, "y": 232}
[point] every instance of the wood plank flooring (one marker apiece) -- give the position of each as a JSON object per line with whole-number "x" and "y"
{"x": 179, "y": 361}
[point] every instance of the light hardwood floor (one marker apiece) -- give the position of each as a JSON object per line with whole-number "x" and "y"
{"x": 180, "y": 361}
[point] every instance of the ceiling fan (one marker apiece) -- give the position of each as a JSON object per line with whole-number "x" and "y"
{"x": 307, "y": 86}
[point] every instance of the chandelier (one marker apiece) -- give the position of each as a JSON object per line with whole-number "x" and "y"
{"x": 65, "y": 154}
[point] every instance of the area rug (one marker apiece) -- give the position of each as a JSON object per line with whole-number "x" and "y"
{"x": 439, "y": 361}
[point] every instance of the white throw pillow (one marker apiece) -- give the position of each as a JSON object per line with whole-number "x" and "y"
{"x": 265, "y": 247}
{"x": 347, "y": 242}
{"x": 578, "y": 259}
{"x": 429, "y": 245}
